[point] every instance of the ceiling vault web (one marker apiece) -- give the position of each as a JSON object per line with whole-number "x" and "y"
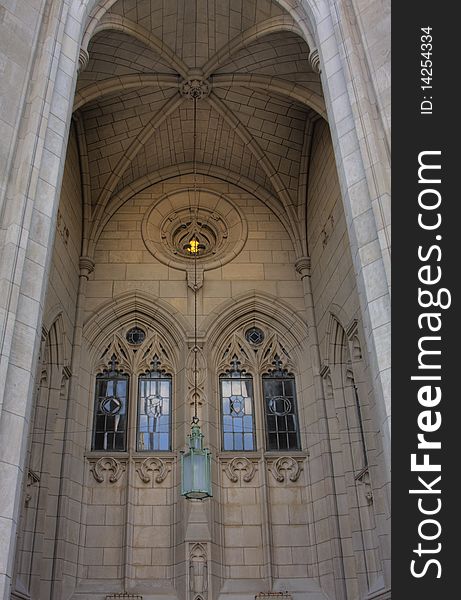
{"x": 264, "y": 94}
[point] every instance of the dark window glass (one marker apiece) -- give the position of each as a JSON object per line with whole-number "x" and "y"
{"x": 281, "y": 415}
{"x": 237, "y": 412}
{"x": 135, "y": 336}
{"x": 154, "y": 412}
{"x": 255, "y": 336}
{"x": 110, "y": 412}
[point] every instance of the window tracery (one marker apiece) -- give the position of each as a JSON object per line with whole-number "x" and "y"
{"x": 275, "y": 392}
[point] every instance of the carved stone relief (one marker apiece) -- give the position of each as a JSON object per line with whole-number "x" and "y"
{"x": 198, "y": 571}
{"x": 149, "y": 466}
{"x": 285, "y": 468}
{"x": 236, "y": 468}
{"x": 107, "y": 465}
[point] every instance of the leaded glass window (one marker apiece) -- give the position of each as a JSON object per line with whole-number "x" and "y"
{"x": 110, "y": 412}
{"x": 237, "y": 410}
{"x": 279, "y": 391}
{"x": 154, "y": 409}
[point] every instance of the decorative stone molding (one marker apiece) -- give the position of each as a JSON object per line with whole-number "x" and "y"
{"x": 196, "y": 394}
{"x": 107, "y": 465}
{"x": 32, "y": 479}
{"x": 213, "y": 219}
{"x": 83, "y": 59}
{"x": 352, "y": 329}
{"x": 198, "y": 571}
{"x": 314, "y": 59}
{"x": 152, "y": 465}
{"x": 125, "y": 596}
{"x": 66, "y": 372}
{"x": 325, "y": 370}
{"x": 363, "y": 478}
{"x": 274, "y": 356}
{"x": 195, "y": 278}
{"x": 284, "y": 465}
{"x": 195, "y": 88}
{"x": 273, "y": 596}
{"x": 116, "y": 357}
{"x": 234, "y": 469}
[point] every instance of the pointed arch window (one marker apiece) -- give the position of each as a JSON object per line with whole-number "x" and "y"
{"x": 238, "y": 431}
{"x": 279, "y": 390}
{"x": 110, "y": 412}
{"x": 154, "y": 409}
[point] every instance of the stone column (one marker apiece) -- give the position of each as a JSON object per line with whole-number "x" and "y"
{"x": 321, "y": 465}
{"x": 65, "y": 552}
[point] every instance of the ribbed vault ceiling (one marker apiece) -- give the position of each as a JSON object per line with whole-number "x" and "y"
{"x": 133, "y": 121}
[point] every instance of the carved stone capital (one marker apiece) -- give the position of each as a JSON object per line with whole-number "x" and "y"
{"x": 303, "y": 266}
{"x": 314, "y": 59}
{"x": 86, "y": 265}
{"x": 83, "y": 59}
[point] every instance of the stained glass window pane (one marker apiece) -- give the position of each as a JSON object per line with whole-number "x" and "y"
{"x": 110, "y": 412}
{"x": 237, "y": 413}
{"x": 281, "y": 412}
{"x": 154, "y": 412}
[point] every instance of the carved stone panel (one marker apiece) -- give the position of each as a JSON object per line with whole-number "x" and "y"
{"x": 198, "y": 571}
{"x": 151, "y": 465}
{"x": 285, "y": 468}
{"x": 240, "y": 469}
{"x": 107, "y": 469}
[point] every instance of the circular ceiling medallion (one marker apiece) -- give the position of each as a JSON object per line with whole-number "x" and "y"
{"x": 181, "y": 222}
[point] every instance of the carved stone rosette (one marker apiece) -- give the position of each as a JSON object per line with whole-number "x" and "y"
{"x": 195, "y": 88}
{"x": 107, "y": 465}
{"x": 236, "y": 468}
{"x": 151, "y": 465}
{"x": 285, "y": 468}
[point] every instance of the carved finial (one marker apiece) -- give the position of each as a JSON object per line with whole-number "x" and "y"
{"x": 155, "y": 364}
{"x": 113, "y": 362}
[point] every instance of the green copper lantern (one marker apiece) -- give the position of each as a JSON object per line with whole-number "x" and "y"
{"x": 196, "y": 467}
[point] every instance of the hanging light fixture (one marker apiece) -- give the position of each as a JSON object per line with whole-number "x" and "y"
{"x": 196, "y": 462}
